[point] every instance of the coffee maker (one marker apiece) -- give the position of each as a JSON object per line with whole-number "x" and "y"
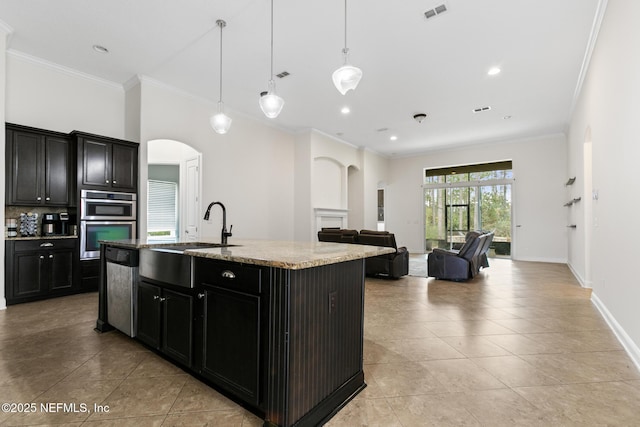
{"x": 55, "y": 224}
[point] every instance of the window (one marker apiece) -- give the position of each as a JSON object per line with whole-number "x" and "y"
{"x": 479, "y": 172}
{"x": 162, "y": 210}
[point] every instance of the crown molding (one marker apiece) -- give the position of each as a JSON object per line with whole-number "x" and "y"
{"x": 584, "y": 69}
{"x": 7, "y": 29}
{"x": 62, "y": 69}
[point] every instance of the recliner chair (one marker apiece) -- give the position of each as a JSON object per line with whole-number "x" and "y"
{"x": 393, "y": 265}
{"x": 463, "y": 264}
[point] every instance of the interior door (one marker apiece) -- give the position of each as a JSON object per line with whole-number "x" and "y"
{"x": 191, "y": 205}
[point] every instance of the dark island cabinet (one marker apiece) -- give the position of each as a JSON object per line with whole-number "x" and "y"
{"x": 165, "y": 321}
{"x": 107, "y": 163}
{"x": 232, "y": 341}
{"x": 39, "y": 167}
{"x": 39, "y": 269}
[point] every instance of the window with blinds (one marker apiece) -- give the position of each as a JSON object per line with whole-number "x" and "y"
{"x": 162, "y": 209}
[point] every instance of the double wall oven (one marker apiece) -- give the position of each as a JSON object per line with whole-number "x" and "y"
{"x": 105, "y": 215}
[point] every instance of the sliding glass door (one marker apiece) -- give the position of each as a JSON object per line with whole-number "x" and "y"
{"x": 453, "y": 209}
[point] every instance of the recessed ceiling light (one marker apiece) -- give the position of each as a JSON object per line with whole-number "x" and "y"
{"x": 494, "y": 71}
{"x": 393, "y": 138}
{"x": 345, "y": 110}
{"x": 100, "y": 49}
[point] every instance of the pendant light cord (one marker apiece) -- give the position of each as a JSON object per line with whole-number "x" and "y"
{"x": 221, "y": 25}
{"x": 345, "y": 25}
{"x": 271, "y": 76}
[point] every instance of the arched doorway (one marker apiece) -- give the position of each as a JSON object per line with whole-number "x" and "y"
{"x": 173, "y": 191}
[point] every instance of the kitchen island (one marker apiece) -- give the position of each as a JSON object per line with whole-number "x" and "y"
{"x": 277, "y": 326}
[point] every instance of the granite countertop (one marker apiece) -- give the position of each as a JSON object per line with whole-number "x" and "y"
{"x": 272, "y": 253}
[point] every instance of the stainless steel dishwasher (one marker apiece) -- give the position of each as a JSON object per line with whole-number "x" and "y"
{"x": 122, "y": 277}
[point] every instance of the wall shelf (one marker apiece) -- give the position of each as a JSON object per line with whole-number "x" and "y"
{"x": 570, "y": 181}
{"x": 572, "y": 201}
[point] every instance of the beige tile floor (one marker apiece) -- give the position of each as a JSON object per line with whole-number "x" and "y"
{"x": 519, "y": 345}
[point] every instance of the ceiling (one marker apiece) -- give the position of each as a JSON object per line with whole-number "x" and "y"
{"x": 411, "y": 64}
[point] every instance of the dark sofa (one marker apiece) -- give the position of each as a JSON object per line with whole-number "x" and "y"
{"x": 392, "y": 265}
{"x": 463, "y": 264}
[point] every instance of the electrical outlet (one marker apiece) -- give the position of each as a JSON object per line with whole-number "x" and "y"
{"x": 332, "y": 301}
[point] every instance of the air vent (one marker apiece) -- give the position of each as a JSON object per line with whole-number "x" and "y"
{"x": 481, "y": 109}
{"x": 436, "y": 11}
{"x": 282, "y": 74}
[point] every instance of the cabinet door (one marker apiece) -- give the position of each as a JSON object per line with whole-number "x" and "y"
{"x": 57, "y": 166}
{"x": 96, "y": 163}
{"x": 231, "y": 341}
{"x": 29, "y": 274}
{"x": 177, "y": 326}
{"x": 26, "y": 168}
{"x": 60, "y": 269}
{"x": 124, "y": 167}
{"x": 148, "y": 316}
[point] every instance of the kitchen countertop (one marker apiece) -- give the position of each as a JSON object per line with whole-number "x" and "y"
{"x": 272, "y": 253}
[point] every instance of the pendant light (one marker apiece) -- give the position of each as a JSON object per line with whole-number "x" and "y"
{"x": 270, "y": 103}
{"x": 346, "y": 77}
{"x": 220, "y": 122}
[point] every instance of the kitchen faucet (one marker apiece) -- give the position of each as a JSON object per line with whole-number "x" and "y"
{"x": 224, "y": 234}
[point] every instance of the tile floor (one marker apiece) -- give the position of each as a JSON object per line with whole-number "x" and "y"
{"x": 519, "y": 345}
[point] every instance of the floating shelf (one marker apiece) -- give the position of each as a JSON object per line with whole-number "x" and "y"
{"x": 571, "y": 181}
{"x": 572, "y": 226}
{"x": 572, "y": 201}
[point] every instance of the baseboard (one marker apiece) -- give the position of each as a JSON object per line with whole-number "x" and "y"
{"x": 579, "y": 278}
{"x": 3, "y": 303}
{"x": 630, "y": 347}
{"x": 536, "y": 259}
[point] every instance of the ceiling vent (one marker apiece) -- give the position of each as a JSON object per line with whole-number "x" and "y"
{"x": 481, "y": 109}
{"x": 282, "y": 74}
{"x": 436, "y": 11}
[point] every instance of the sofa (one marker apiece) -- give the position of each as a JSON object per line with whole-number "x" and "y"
{"x": 393, "y": 265}
{"x": 463, "y": 264}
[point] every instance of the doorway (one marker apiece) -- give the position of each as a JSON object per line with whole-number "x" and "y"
{"x": 467, "y": 198}
{"x": 183, "y": 186}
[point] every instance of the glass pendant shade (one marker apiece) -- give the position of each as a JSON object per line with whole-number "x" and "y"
{"x": 270, "y": 103}
{"x": 346, "y": 78}
{"x": 220, "y": 122}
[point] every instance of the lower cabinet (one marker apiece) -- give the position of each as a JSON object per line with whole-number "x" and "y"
{"x": 165, "y": 321}
{"x": 231, "y": 342}
{"x": 38, "y": 269}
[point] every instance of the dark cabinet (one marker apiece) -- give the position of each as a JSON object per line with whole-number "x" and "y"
{"x": 37, "y": 269}
{"x": 231, "y": 343}
{"x": 165, "y": 321}
{"x": 107, "y": 164}
{"x": 233, "y": 328}
{"x": 39, "y": 167}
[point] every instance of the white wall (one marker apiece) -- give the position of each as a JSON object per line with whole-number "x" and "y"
{"x": 4, "y": 33}
{"x": 539, "y": 168}
{"x": 250, "y": 169}
{"x": 49, "y": 97}
{"x": 608, "y": 108}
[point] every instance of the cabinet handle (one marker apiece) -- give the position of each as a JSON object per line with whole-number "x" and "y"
{"x": 115, "y": 182}
{"x": 156, "y": 297}
{"x": 200, "y": 296}
{"x": 46, "y": 245}
{"x": 50, "y": 256}
{"x": 107, "y": 181}
{"x": 38, "y": 198}
{"x": 41, "y": 256}
{"x": 227, "y": 274}
{"x": 47, "y": 198}
{"x": 163, "y": 299}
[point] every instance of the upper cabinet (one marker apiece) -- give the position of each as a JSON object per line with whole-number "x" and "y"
{"x": 106, "y": 163}
{"x": 39, "y": 167}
